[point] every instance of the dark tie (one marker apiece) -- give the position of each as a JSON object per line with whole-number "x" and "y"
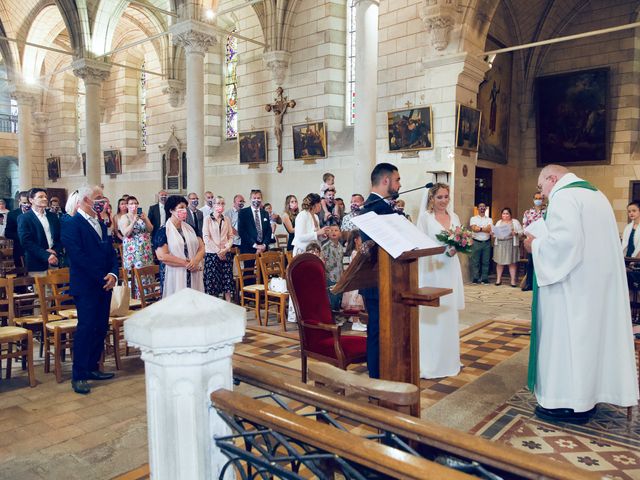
{"x": 631, "y": 244}
{"x": 195, "y": 221}
{"x": 256, "y": 218}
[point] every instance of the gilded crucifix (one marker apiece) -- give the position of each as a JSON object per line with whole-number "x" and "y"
{"x": 279, "y": 108}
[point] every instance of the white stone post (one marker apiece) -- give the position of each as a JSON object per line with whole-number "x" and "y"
{"x": 93, "y": 73}
{"x": 196, "y": 38}
{"x": 187, "y": 341}
{"x": 26, "y": 97}
{"x": 364, "y": 132}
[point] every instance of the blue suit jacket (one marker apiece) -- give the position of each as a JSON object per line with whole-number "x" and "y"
{"x": 90, "y": 258}
{"x": 248, "y": 232}
{"x": 34, "y": 240}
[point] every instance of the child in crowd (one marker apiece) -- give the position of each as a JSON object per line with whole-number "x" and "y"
{"x": 328, "y": 182}
{"x": 352, "y": 302}
{"x": 274, "y": 220}
{"x": 316, "y": 249}
{"x": 333, "y": 251}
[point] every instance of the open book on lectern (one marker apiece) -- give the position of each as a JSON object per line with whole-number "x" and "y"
{"x": 394, "y": 233}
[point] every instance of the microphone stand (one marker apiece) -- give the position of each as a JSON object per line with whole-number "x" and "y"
{"x": 394, "y": 196}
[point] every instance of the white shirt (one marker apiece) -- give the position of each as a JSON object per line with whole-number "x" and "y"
{"x": 45, "y": 225}
{"x": 206, "y": 211}
{"x": 95, "y": 224}
{"x": 2, "y": 227}
{"x": 481, "y": 222}
{"x": 163, "y": 214}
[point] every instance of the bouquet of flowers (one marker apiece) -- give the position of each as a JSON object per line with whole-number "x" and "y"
{"x": 458, "y": 237}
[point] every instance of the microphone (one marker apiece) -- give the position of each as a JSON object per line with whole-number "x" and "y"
{"x": 396, "y": 195}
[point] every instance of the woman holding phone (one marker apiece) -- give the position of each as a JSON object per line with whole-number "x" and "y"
{"x": 136, "y": 237}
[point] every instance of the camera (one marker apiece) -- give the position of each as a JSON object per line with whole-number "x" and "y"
{"x": 139, "y": 211}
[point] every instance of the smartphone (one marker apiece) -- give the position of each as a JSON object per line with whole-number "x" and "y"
{"x": 139, "y": 211}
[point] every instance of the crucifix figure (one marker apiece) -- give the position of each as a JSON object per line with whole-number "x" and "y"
{"x": 279, "y": 108}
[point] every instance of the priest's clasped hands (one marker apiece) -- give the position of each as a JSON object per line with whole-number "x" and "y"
{"x": 527, "y": 242}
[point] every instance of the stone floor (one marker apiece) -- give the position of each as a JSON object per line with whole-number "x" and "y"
{"x": 49, "y": 432}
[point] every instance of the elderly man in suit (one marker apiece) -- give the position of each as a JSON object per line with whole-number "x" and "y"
{"x": 156, "y": 213}
{"x": 254, "y": 227}
{"x": 385, "y": 185}
{"x": 194, "y": 216}
{"x": 39, "y": 233}
{"x": 94, "y": 273}
{"x": 11, "y": 228}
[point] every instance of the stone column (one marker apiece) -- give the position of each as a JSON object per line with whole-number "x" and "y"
{"x": 196, "y": 38}
{"x": 364, "y": 148}
{"x": 26, "y": 97}
{"x": 187, "y": 342}
{"x": 93, "y": 73}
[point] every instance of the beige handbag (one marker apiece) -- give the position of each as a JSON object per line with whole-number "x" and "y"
{"x": 120, "y": 297}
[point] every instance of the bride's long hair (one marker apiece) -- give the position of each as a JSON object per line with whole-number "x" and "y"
{"x": 431, "y": 193}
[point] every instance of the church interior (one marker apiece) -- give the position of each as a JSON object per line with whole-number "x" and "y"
{"x": 221, "y": 95}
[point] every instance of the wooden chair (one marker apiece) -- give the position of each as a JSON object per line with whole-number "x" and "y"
{"x": 54, "y": 296}
{"x": 272, "y": 265}
{"x": 12, "y": 336}
{"x": 249, "y": 293}
{"x": 281, "y": 241}
{"x": 288, "y": 255}
{"x": 148, "y": 281}
{"x": 128, "y": 277}
{"x": 320, "y": 337}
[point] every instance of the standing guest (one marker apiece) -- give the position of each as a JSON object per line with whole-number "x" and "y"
{"x": 506, "y": 249}
{"x": 3, "y": 207}
{"x": 209, "y": 200}
{"x": 330, "y": 213}
{"x": 333, "y": 253}
{"x": 357, "y": 201}
{"x": 136, "y": 229}
{"x": 93, "y": 274}
{"x": 121, "y": 212}
{"x": 630, "y": 235}
{"x": 11, "y": 229}
{"x": 439, "y": 338}
{"x": 530, "y": 216}
{"x": 179, "y": 249}
{"x": 289, "y": 218}
{"x": 274, "y": 220}
{"x": 254, "y": 227}
{"x": 106, "y": 217}
{"x": 195, "y": 218}
{"x": 218, "y": 260}
{"x": 341, "y": 206}
{"x": 480, "y": 225}
{"x": 2, "y": 225}
{"x": 39, "y": 233}
{"x": 307, "y": 224}
{"x": 582, "y": 349}
{"x": 55, "y": 207}
{"x": 232, "y": 213}
{"x": 157, "y": 214}
{"x": 71, "y": 207}
{"x": 385, "y": 182}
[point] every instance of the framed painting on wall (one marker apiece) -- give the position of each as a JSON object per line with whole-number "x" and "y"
{"x": 468, "y": 121}
{"x": 252, "y": 147}
{"x": 112, "y": 162}
{"x": 53, "y": 168}
{"x": 310, "y": 141}
{"x": 494, "y": 101}
{"x": 571, "y": 118}
{"x": 410, "y": 129}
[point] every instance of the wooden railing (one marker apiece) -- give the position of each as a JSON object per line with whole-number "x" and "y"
{"x": 428, "y": 439}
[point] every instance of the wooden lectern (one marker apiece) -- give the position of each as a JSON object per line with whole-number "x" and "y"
{"x": 397, "y": 281}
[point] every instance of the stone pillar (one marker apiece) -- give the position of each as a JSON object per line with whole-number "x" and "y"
{"x": 187, "y": 342}
{"x": 93, "y": 73}
{"x": 364, "y": 148}
{"x": 26, "y": 97}
{"x": 196, "y": 38}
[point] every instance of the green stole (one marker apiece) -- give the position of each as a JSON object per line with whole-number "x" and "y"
{"x": 533, "y": 345}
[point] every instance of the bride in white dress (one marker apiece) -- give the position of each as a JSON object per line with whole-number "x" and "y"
{"x": 439, "y": 333}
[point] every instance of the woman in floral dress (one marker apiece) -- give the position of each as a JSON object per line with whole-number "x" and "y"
{"x": 136, "y": 238}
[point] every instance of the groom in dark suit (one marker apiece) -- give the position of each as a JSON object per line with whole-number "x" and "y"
{"x": 94, "y": 273}
{"x": 39, "y": 233}
{"x": 385, "y": 182}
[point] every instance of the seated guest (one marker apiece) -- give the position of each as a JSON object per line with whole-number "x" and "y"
{"x": 39, "y": 233}
{"x": 630, "y": 235}
{"x": 307, "y": 224}
{"x": 333, "y": 252}
{"x": 136, "y": 229}
{"x": 179, "y": 250}
{"x": 217, "y": 234}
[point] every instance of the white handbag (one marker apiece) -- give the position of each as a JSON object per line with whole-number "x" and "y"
{"x": 277, "y": 284}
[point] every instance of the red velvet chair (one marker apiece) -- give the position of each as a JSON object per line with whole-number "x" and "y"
{"x": 320, "y": 337}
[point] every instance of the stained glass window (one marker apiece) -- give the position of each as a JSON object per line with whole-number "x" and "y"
{"x": 142, "y": 98}
{"x": 231, "y": 87}
{"x": 351, "y": 63}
